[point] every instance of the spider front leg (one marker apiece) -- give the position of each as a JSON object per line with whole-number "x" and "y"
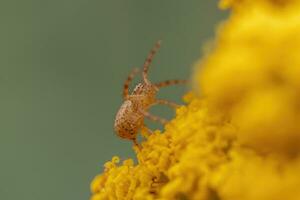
{"x": 148, "y": 61}
{"x": 128, "y": 81}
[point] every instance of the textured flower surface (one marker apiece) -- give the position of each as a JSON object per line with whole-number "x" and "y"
{"x": 238, "y": 138}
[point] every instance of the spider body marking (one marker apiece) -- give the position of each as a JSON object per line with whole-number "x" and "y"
{"x": 130, "y": 117}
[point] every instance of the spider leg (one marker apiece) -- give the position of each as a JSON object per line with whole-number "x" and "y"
{"x": 154, "y": 118}
{"x": 167, "y": 103}
{"x": 134, "y": 97}
{"x": 148, "y": 62}
{"x": 128, "y": 81}
{"x": 169, "y": 83}
{"x": 146, "y": 131}
{"x": 135, "y": 143}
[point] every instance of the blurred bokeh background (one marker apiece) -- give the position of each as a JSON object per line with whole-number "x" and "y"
{"x": 62, "y": 66}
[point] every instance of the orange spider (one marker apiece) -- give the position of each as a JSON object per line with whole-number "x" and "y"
{"x": 130, "y": 117}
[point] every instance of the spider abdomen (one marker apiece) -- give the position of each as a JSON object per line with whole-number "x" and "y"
{"x": 128, "y": 120}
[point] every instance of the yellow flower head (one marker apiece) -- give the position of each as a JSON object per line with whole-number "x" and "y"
{"x": 239, "y": 139}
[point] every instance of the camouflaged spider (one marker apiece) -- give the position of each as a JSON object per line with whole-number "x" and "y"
{"x": 130, "y": 117}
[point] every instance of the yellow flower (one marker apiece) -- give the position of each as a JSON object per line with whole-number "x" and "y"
{"x": 238, "y": 137}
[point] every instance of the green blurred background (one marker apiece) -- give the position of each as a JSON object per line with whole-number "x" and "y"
{"x": 62, "y": 66}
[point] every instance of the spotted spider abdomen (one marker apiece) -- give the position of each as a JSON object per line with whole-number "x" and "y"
{"x": 128, "y": 120}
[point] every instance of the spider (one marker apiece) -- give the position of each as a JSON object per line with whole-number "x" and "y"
{"x": 130, "y": 117}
